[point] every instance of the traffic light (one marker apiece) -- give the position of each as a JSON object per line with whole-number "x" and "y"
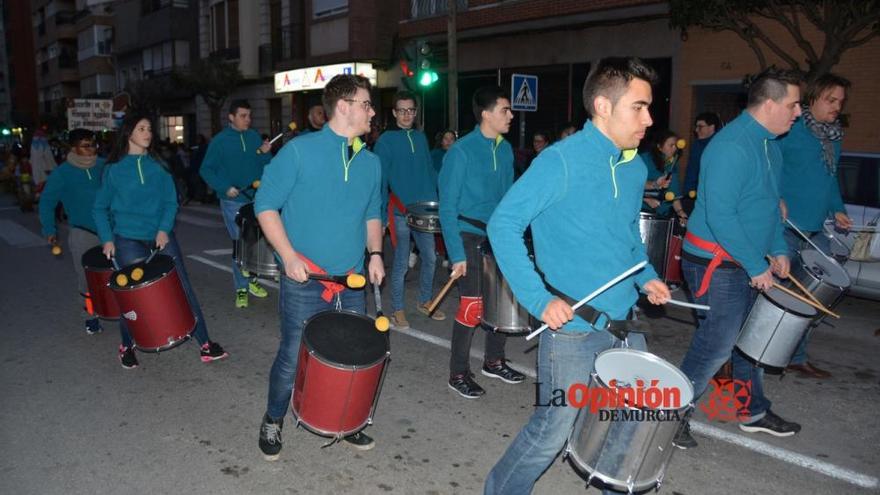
{"x": 408, "y": 62}
{"x": 427, "y": 75}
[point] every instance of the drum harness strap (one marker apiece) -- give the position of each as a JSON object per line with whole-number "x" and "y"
{"x": 330, "y": 288}
{"x": 618, "y": 328}
{"x": 394, "y": 203}
{"x": 718, "y": 255}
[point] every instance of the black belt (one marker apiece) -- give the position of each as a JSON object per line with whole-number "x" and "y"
{"x": 617, "y": 328}
{"x": 693, "y": 258}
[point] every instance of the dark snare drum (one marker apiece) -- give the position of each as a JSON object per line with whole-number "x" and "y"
{"x": 656, "y": 232}
{"x": 251, "y": 250}
{"x": 154, "y": 304}
{"x": 342, "y": 361}
{"x": 98, "y": 271}
{"x": 424, "y": 216}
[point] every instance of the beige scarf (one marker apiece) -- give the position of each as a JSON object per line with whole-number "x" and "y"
{"x": 81, "y": 161}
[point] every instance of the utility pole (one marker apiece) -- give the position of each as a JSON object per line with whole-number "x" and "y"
{"x": 452, "y": 76}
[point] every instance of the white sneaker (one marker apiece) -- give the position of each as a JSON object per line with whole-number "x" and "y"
{"x": 413, "y": 258}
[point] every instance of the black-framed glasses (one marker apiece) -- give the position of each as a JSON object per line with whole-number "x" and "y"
{"x": 366, "y": 104}
{"x": 86, "y": 145}
{"x": 406, "y": 111}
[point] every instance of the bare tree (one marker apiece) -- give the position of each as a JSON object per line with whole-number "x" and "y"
{"x": 845, "y": 24}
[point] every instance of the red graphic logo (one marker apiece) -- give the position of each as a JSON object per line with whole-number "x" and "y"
{"x": 728, "y": 400}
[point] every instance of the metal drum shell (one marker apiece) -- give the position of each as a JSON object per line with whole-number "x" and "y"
{"x": 809, "y": 271}
{"x": 251, "y": 251}
{"x": 599, "y": 448}
{"x": 656, "y": 233}
{"x": 424, "y": 216}
{"x": 773, "y": 328}
{"x": 501, "y": 311}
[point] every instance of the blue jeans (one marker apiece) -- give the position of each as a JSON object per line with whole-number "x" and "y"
{"x": 564, "y": 358}
{"x": 425, "y": 243}
{"x": 297, "y": 303}
{"x": 129, "y": 251}
{"x": 730, "y": 297}
{"x": 795, "y": 244}
{"x": 230, "y": 209}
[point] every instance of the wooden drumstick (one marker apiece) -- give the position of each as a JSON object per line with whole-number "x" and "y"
{"x": 800, "y": 286}
{"x": 803, "y": 299}
{"x": 434, "y": 302}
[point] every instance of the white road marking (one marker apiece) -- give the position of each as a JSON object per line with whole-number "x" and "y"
{"x": 785, "y": 455}
{"x": 17, "y": 236}
{"x": 228, "y": 269}
{"x": 218, "y": 252}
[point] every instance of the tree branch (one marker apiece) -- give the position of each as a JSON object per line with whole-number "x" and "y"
{"x": 756, "y": 31}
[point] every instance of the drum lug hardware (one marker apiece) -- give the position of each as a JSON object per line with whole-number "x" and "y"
{"x": 334, "y": 441}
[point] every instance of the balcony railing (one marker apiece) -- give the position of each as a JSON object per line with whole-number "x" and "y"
{"x": 420, "y": 9}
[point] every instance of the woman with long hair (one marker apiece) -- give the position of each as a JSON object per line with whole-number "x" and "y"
{"x": 662, "y": 161}
{"x": 134, "y": 211}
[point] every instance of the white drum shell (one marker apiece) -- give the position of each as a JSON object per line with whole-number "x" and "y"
{"x": 772, "y": 330}
{"x": 501, "y": 311}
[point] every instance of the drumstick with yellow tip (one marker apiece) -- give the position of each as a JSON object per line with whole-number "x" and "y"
{"x": 436, "y": 301}
{"x": 137, "y": 274}
{"x": 56, "y": 249}
{"x": 290, "y": 128}
{"x": 681, "y": 144}
{"x": 352, "y": 280}
{"x": 382, "y": 322}
{"x": 804, "y": 300}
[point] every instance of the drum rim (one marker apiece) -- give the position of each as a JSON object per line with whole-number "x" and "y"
{"x": 582, "y": 466}
{"x": 803, "y": 264}
{"x": 594, "y": 374}
{"x": 324, "y": 433}
{"x": 417, "y": 204}
{"x": 168, "y": 346}
{"x": 783, "y": 308}
{"x": 313, "y": 351}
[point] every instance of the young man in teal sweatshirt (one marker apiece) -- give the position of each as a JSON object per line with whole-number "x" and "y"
{"x": 581, "y": 197}
{"x": 408, "y": 175}
{"x": 326, "y": 185}
{"x": 75, "y": 184}
{"x": 735, "y": 226}
{"x": 234, "y": 160}
{"x": 477, "y": 171}
{"x": 810, "y": 189}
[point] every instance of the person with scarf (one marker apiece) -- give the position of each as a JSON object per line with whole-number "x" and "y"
{"x": 134, "y": 211}
{"x": 810, "y": 189}
{"x": 74, "y": 184}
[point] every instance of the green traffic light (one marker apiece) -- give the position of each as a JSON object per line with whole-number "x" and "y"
{"x": 427, "y": 78}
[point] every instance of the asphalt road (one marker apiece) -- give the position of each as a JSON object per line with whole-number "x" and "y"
{"x": 72, "y": 421}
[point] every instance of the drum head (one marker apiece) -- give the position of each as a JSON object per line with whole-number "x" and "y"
{"x": 94, "y": 258}
{"x": 789, "y": 303}
{"x": 626, "y": 366}
{"x": 156, "y": 269}
{"x": 345, "y": 338}
{"x": 828, "y": 270}
{"x": 424, "y": 208}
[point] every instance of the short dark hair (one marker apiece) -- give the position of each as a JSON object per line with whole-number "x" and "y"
{"x": 79, "y": 134}
{"x": 822, "y": 84}
{"x": 234, "y": 105}
{"x": 485, "y": 99}
{"x": 611, "y": 76}
{"x": 771, "y": 84}
{"x": 341, "y": 87}
{"x": 710, "y": 118}
{"x": 402, "y": 96}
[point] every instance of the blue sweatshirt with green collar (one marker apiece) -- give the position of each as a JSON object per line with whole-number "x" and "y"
{"x": 810, "y": 192}
{"x": 407, "y": 168}
{"x": 326, "y": 191}
{"x": 670, "y": 167}
{"x": 232, "y": 161}
{"x": 738, "y": 195}
{"x": 476, "y": 173}
{"x": 137, "y": 199}
{"x": 76, "y": 189}
{"x": 581, "y": 197}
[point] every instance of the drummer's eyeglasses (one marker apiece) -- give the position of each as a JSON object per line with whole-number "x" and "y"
{"x": 406, "y": 111}
{"x": 366, "y": 104}
{"x": 86, "y": 145}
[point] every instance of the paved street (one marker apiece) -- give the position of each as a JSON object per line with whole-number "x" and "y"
{"x": 73, "y": 421}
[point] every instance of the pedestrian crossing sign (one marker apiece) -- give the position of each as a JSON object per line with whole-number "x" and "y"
{"x": 524, "y": 90}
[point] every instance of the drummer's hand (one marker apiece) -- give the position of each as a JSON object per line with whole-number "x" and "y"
{"x": 653, "y": 203}
{"x": 780, "y": 266}
{"x": 783, "y": 208}
{"x": 161, "y": 239}
{"x": 557, "y": 313}
{"x": 232, "y": 192}
{"x": 763, "y": 281}
{"x": 266, "y": 146}
{"x": 657, "y": 291}
{"x": 459, "y": 268}
{"x": 109, "y": 249}
{"x": 842, "y": 220}
{"x": 52, "y": 239}
{"x": 376, "y": 268}
{"x": 296, "y": 269}
{"x": 662, "y": 183}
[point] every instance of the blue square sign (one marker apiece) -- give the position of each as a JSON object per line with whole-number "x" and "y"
{"x": 524, "y": 93}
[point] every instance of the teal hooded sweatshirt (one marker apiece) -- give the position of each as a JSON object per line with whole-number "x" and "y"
{"x": 581, "y": 197}
{"x": 232, "y": 161}
{"x": 406, "y": 167}
{"x": 137, "y": 199}
{"x": 76, "y": 189}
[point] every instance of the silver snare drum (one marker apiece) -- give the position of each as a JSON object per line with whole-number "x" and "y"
{"x": 656, "y": 233}
{"x": 823, "y": 277}
{"x": 424, "y": 216}
{"x": 501, "y": 311}
{"x": 774, "y": 328}
{"x": 630, "y": 452}
{"x": 251, "y": 251}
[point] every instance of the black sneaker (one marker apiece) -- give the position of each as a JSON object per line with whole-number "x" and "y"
{"x": 466, "y": 386}
{"x": 93, "y": 326}
{"x": 127, "y": 358}
{"x": 270, "y": 437}
{"x": 773, "y": 425}
{"x": 500, "y": 370}
{"x": 360, "y": 441}
{"x": 683, "y": 439}
{"x": 211, "y": 351}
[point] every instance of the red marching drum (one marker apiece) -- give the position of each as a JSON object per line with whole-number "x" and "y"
{"x": 98, "y": 270}
{"x": 339, "y": 373}
{"x": 154, "y": 304}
